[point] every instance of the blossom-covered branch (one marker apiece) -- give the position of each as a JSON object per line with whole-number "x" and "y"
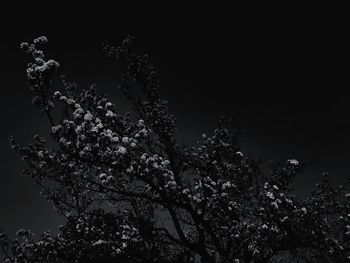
{"x": 131, "y": 192}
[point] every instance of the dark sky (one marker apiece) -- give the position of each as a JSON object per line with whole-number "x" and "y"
{"x": 285, "y": 77}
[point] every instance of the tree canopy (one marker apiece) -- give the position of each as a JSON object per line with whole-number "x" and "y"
{"x": 130, "y": 192}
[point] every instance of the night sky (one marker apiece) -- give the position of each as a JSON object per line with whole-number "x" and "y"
{"x": 286, "y": 79}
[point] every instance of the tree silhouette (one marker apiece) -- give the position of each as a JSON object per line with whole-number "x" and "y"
{"x": 131, "y": 193}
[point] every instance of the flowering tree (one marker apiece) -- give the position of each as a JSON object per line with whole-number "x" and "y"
{"x": 131, "y": 193}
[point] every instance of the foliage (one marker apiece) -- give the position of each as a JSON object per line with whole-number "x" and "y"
{"x": 132, "y": 193}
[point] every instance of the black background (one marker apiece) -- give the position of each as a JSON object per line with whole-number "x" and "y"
{"x": 284, "y": 74}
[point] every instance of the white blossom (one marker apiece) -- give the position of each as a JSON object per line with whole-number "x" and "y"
{"x": 270, "y": 195}
{"x": 57, "y": 94}
{"x": 293, "y": 161}
{"x": 63, "y": 98}
{"x": 70, "y": 101}
{"x": 110, "y": 114}
{"x": 102, "y": 176}
{"x": 140, "y": 123}
{"x": 78, "y": 113}
{"x": 99, "y": 242}
{"x": 40, "y": 40}
{"x": 56, "y": 128}
{"x": 121, "y": 150}
{"x": 88, "y": 117}
{"x": 125, "y": 140}
{"x": 274, "y": 204}
{"x": 94, "y": 129}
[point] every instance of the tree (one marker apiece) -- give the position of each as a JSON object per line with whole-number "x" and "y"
{"x": 131, "y": 193}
